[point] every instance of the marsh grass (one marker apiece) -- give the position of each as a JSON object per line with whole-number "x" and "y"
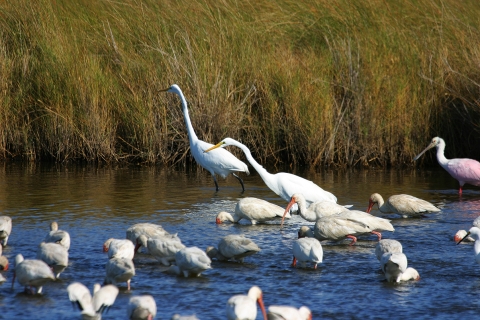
{"x": 342, "y": 83}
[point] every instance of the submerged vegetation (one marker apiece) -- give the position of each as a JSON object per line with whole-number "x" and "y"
{"x": 324, "y": 82}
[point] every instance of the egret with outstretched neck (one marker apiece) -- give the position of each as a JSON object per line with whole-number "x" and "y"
{"x": 282, "y": 183}
{"x": 220, "y": 162}
{"x": 464, "y": 170}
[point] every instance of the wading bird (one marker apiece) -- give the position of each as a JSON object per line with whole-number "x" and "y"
{"x": 387, "y": 246}
{"x": 162, "y": 248}
{"x": 92, "y": 307}
{"x": 5, "y": 229}
{"x": 118, "y": 270}
{"x": 150, "y": 230}
{"x": 55, "y": 255}
{"x": 282, "y": 183}
{"x": 316, "y": 210}
{"x": 244, "y": 307}
{"x": 190, "y": 261}
{"x": 31, "y": 273}
{"x": 460, "y": 235}
{"x": 119, "y": 248}
{"x": 307, "y": 250}
{"x": 3, "y": 260}
{"x": 394, "y": 266}
{"x": 402, "y": 204}
{"x": 58, "y": 236}
{"x": 233, "y": 247}
{"x": 141, "y": 308}
{"x": 474, "y": 232}
{"x": 253, "y": 209}
{"x": 221, "y": 161}
{"x": 288, "y": 313}
{"x": 464, "y": 170}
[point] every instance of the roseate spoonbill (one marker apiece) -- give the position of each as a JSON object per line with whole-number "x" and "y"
{"x": 387, "y": 246}
{"x": 253, "y": 209}
{"x": 5, "y": 229}
{"x": 464, "y": 170}
{"x": 150, "y": 230}
{"x": 54, "y": 255}
{"x": 402, "y": 204}
{"x": 283, "y": 184}
{"x": 244, "y": 307}
{"x": 474, "y": 232}
{"x": 3, "y": 260}
{"x": 394, "y": 266}
{"x": 162, "y": 248}
{"x": 141, "y": 308}
{"x": 58, "y": 236}
{"x": 118, "y": 270}
{"x": 348, "y": 224}
{"x": 462, "y": 233}
{"x": 221, "y": 161}
{"x": 190, "y": 261}
{"x": 290, "y": 313}
{"x": 119, "y": 248}
{"x": 234, "y": 246}
{"x": 307, "y": 250}
{"x": 92, "y": 307}
{"x": 31, "y": 273}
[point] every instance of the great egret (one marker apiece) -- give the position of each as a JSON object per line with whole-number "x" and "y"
{"x": 282, "y": 183}
{"x": 464, "y": 170}
{"x": 242, "y": 306}
{"x": 402, "y": 204}
{"x": 220, "y": 162}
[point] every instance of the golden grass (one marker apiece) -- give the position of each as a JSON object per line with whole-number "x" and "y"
{"x": 321, "y": 82}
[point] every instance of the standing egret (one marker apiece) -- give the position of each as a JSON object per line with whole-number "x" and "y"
{"x": 282, "y": 183}
{"x": 220, "y": 162}
{"x": 402, "y": 204}
{"x": 474, "y": 232}
{"x": 464, "y": 170}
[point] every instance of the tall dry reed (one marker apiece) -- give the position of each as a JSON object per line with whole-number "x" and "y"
{"x": 339, "y": 83}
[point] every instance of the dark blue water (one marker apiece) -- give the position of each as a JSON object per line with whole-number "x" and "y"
{"x": 94, "y": 204}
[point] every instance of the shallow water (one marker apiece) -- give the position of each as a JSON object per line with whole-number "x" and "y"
{"x": 94, "y": 204}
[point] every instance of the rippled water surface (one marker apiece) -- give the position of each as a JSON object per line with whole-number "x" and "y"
{"x": 94, "y": 204}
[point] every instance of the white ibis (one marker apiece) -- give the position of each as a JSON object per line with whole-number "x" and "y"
{"x": 387, "y": 246}
{"x": 394, "y": 266}
{"x": 3, "y": 260}
{"x": 55, "y": 255}
{"x": 58, "y": 236}
{"x": 245, "y": 306}
{"x": 141, "y": 308}
{"x": 402, "y": 204}
{"x": 162, "y": 248}
{"x": 462, "y": 233}
{"x": 119, "y": 248}
{"x": 289, "y": 313}
{"x": 190, "y": 261}
{"x": 307, "y": 250}
{"x": 253, "y": 209}
{"x": 31, "y": 273}
{"x": 5, "y": 229}
{"x": 150, "y": 230}
{"x": 233, "y": 247}
{"x": 92, "y": 307}
{"x": 119, "y": 270}
{"x": 474, "y": 232}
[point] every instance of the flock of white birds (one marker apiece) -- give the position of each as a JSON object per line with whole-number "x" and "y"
{"x": 333, "y": 222}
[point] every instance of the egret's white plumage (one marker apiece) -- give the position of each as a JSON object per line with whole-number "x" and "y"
{"x": 5, "y": 229}
{"x": 190, "y": 261}
{"x": 394, "y": 266}
{"x": 162, "y": 248}
{"x": 31, "y": 273}
{"x": 474, "y": 232}
{"x": 118, "y": 270}
{"x": 463, "y": 170}
{"x": 55, "y": 255}
{"x": 58, "y": 236}
{"x": 307, "y": 250}
{"x": 289, "y": 313}
{"x": 245, "y": 306}
{"x": 402, "y": 204}
{"x": 92, "y": 307}
{"x": 234, "y": 246}
{"x": 119, "y": 248}
{"x": 141, "y": 308}
{"x": 282, "y": 183}
{"x": 220, "y": 161}
{"x": 387, "y": 246}
{"x": 253, "y": 209}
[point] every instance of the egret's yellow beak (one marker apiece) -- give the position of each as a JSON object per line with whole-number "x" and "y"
{"x": 218, "y": 145}
{"x": 163, "y": 90}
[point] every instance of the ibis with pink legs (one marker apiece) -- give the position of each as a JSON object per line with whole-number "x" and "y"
{"x": 244, "y": 307}
{"x": 307, "y": 250}
{"x": 464, "y": 170}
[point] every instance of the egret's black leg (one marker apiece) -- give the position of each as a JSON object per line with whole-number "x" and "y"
{"x": 241, "y": 181}
{"x": 215, "y": 180}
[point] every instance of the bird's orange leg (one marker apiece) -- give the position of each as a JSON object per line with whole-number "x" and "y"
{"x": 354, "y": 239}
{"x": 379, "y": 235}
{"x": 294, "y": 262}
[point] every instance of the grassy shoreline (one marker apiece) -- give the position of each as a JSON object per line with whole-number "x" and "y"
{"x": 325, "y": 83}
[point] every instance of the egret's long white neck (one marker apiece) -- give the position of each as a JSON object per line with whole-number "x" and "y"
{"x": 441, "y": 154}
{"x": 191, "y": 133}
{"x": 264, "y": 174}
